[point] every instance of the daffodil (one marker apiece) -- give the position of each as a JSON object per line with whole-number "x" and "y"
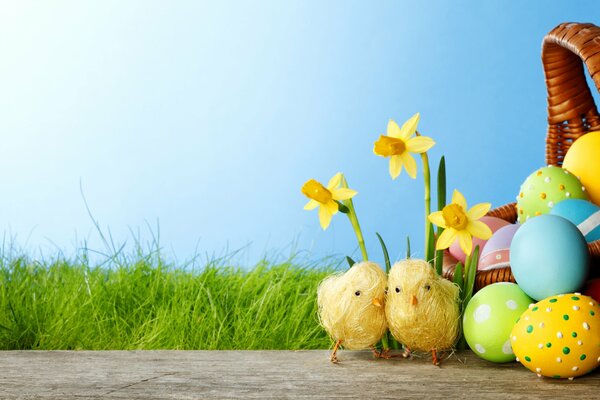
{"x": 460, "y": 222}
{"x": 400, "y": 143}
{"x": 326, "y": 198}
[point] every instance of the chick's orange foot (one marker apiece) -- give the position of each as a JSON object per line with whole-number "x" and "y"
{"x": 383, "y": 353}
{"x": 333, "y": 357}
{"x": 434, "y": 358}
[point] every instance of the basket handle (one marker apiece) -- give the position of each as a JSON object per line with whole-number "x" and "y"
{"x": 571, "y": 108}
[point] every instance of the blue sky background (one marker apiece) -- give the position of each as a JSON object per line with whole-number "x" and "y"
{"x": 209, "y": 116}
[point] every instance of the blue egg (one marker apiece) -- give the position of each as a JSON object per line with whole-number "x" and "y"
{"x": 549, "y": 256}
{"x": 582, "y": 213}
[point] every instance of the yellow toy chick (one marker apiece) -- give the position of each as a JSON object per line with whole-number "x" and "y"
{"x": 422, "y": 307}
{"x": 351, "y": 307}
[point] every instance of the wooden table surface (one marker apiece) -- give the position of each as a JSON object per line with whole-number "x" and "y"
{"x": 270, "y": 374}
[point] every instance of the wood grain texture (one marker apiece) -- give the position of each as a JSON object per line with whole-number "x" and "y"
{"x": 269, "y": 374}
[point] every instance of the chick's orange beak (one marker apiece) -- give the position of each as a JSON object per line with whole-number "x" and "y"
{"x": 413, "y": 300}
{"x": 377, "y": 303}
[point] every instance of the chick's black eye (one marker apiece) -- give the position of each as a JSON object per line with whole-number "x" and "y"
{"x": 398, "y": 290}
{"x": 385, "y": 291}
{"x": 427, "y": 287}
{"x": 357, "y": 293}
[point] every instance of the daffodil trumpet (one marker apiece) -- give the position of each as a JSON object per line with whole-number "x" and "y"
{"x": 330, "y": 199}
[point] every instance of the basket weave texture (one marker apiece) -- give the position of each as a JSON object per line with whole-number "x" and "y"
{"x": 571, "y": 114}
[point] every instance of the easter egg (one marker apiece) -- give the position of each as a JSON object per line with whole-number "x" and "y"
{"x": 544, "y": 188}
{"x": 490, "y": 317}
{"x": 492, "y": 222}
{"x": 592, "y": 289}
{"x": 559, "y": 337}
{"x": 496, "y": 252}
{"x": 582, "y": 213}
{"x": 548, "y": 256}
{"x": 583, "y": 160}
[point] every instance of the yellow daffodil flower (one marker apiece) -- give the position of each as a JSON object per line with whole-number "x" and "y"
{"x": 398, "y": 144}
{"x": 460, "y": 223}
{"x": 326, "y": 197}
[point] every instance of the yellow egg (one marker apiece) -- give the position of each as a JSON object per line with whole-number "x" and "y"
{"x": 559, "y": 336}
{"x": 583, "y": 160}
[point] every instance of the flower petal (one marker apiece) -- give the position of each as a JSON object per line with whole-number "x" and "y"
{"x": 335, "y": 181}
{"x": 437, "y": 218}
{"x": 324, "y": 217}
{"x": 479, "y": 229}
{"x": 458, "y": 198}
{"x": 465, "y": 241}
{"x": 409, "y": 127}
{"x": 478, "y": 211}
{"x": 311, "y": 205}
{"x": 419, "y": 144}
{"x": 410, "y": 164}
{"x": 393, "y": 130}
{"x": 446, "y": 239}
{"x": 343, "y": 194}
{"x": 395, "y": 166}
{"x": 333, "y": 207}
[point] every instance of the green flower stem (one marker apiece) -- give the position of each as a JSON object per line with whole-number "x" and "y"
{"x": 354, "y": 221}
{"x": 429, "y": 253}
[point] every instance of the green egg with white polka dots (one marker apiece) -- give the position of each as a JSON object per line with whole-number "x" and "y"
{"x": 546, "y": 187}
{"x": 489, "y": 318}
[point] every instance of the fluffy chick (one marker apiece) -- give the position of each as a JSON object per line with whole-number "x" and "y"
{"x": 422, "y": 307}
{"x": 351, "y": 306}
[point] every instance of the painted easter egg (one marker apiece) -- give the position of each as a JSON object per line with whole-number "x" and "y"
{"x": 592, "y": 289}
{"x": 548, "y": 256}
{"x": 559, "y": 337}
{"x": 490, "y": 317}
{"x": 544, "y": 188}
{"x": 583, "y": 160}
{"x": 492, "y": 222}
{"x": 584, "y": 214}
{"x": 496, "y": 252}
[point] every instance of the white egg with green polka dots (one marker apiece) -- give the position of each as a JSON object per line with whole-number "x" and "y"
{"x": 489, "y": 318}
{"x": 559, "y": 336}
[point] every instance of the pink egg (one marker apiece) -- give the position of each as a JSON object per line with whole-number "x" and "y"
{"x": 495, "y": 253}
{"x": 494, "y": 224}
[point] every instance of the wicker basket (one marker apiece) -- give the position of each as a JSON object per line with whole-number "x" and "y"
{"x": 571, "y": 114}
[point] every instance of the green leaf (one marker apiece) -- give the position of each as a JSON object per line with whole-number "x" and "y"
{"x": 407, "y": 246}
{"x": 350, "y": 261}
{"x": 471, "y": 271}
{"x": 439, "y": 259}
{"x": 386, "y": 255}
{"x": 430, "y": 243}
{"x": 441, "y": 184}
{"x": 458, "y": 277}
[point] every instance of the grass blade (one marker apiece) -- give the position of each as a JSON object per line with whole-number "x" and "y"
{"x": 407, "y": 246}
{"x": 386, "y": 255}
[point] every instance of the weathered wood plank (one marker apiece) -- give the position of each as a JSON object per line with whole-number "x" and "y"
{"x": 269, "y": 374}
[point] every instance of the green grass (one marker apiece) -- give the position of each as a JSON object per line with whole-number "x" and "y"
{"x": 145, "y": 303}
